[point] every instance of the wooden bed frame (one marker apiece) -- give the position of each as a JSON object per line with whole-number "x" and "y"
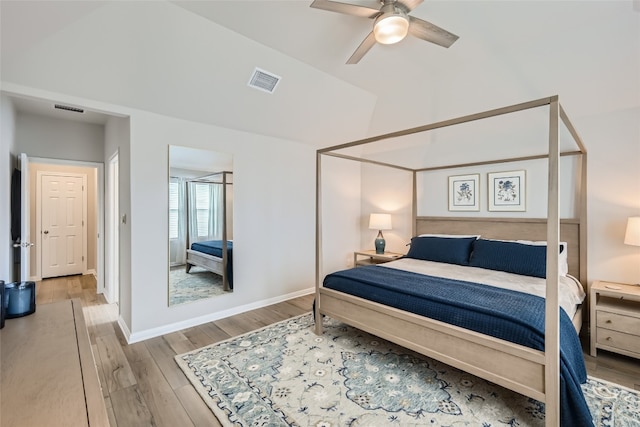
{"x": 530, "y": 372}
{"x": 214, "y": 264}
{"x": 211, "y": 263}
{"x": 513, "y": 366}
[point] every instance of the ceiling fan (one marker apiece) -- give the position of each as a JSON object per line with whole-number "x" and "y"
{"x": 392, "y": 24}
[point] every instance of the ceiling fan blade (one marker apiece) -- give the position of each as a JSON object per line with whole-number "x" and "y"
{"x": 431, "y": 33}
{"x": 364, "y": 47}
{"x": 408, "y": 5}
{"x": 346, "y": 8}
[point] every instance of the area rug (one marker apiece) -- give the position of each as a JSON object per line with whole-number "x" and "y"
{"x": 197, "y": 284}
{"x": 285, "y": 375}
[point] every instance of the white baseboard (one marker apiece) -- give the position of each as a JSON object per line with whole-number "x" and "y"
{"x": 92, "y": 271}
{"x": 167, "y": 329}
{"x": 125, "y": 329}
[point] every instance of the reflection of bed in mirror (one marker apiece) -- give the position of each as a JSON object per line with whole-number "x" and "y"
{"x": 214, "y": 255}
{"x": 209, "y": 254}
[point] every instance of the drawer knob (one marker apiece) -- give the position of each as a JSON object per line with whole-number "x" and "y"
{"x": 608, "y": 338}
{"x": 608, "y": 321}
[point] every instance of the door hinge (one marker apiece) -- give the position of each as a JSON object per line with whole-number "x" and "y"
{"x": 83, "y": 257}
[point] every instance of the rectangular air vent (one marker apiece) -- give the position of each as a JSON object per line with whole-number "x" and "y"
{"x": 68, "y": 108}
{"x": 264, "y": 80}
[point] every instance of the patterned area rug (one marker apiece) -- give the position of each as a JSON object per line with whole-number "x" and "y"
{"x": 285, "y": 375}
{"x": 197, "y": 284}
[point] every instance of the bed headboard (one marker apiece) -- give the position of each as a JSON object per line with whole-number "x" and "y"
{"x": 509, "y": 229}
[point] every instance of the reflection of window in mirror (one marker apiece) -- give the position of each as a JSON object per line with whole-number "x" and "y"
{"x": 200, "y": 228}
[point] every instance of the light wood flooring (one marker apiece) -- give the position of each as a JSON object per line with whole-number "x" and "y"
{"x": 143, "y": 386}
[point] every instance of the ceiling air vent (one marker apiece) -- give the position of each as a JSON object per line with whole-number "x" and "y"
{"x": 68, "y": 108}
{"x": 264, "y": 80}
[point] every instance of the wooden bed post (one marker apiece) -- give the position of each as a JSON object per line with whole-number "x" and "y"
{"x": 552, "y": 310}
{"x": 414, "y": 203}
{"x": 318, "y": 316}
{"x": 225, "y": 255}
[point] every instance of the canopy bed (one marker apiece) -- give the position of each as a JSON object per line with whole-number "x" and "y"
{"x": 214, "y": 255}
{"x": 497, "y": 334}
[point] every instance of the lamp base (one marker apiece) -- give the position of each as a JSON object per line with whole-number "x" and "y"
{"x": 380, "y": 244}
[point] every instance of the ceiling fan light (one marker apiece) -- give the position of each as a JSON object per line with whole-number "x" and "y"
{"x": 390, "y": 29}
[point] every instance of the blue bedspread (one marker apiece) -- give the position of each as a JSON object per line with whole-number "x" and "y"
{"x": 214, "y": 247}
{"x": 510, "y": 315}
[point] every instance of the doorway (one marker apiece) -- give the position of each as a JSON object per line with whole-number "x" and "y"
{"x": 112, "y": 261}
{"x": 94, "y": 219}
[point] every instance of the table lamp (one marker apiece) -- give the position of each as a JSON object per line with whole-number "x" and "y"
{"x": 380, "y": 222}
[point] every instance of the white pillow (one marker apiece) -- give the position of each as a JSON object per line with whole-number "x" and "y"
{"x": 563, "y": 261}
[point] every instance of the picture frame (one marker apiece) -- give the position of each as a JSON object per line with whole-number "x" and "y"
{"x": 507, "y": 191}
{"x": 464, "y": 192}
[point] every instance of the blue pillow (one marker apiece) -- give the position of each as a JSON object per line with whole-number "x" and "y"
{"x": 442, "y": 249}
{"x": 512, "y": 257}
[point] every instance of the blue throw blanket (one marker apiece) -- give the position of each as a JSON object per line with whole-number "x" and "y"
{"x": 509, "y": 315}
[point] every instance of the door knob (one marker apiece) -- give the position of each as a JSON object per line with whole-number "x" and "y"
{"x": 23, "y": 245}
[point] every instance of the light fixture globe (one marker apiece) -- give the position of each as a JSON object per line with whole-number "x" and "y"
{"x": 391, "y": 27}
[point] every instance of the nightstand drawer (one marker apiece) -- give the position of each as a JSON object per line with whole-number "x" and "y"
{"x": 618, "y": 322}
{"x": 609, "y": 338}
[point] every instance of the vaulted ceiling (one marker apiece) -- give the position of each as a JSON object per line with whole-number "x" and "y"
{"x": 191, "y": 59}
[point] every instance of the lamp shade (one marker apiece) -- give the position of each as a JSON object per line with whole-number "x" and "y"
{"x": 632, "y": 236}
{"x": 380, "y": 221}
{"x": 390, "y": 28}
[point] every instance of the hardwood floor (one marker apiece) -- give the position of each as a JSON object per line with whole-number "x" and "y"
{"x": 143, "y": 386}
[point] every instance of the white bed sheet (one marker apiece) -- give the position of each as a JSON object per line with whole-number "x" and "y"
{"x": 570, "y": 290}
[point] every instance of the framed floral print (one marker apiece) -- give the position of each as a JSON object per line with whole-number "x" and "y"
{"x": 464, "y": 193}
{"x": 507, "y": 191}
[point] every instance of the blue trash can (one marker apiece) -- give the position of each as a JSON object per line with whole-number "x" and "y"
{"x": 19, "y": 299}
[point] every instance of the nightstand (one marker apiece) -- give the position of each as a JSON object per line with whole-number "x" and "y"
{"x": 615, "y": 318}
{"x": 372, "y": 258}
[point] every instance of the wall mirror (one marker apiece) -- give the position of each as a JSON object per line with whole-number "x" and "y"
{"x": 200, "y": 224}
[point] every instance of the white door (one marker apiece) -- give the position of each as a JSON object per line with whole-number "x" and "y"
{"x": 63, "y": 202}
{"x": 25, "y": 242}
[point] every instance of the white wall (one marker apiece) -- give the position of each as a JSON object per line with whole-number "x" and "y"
{"x": 7, "y": 163}
{"x": 273, "y": 219}
{"x": 181, "y": 65}
{"x": 52, "y": 138}
{"x": 387, "y": 190}
{"x": 117, "y": 140}
{"x": 341, "y": 207}
{"x": 433, "y": 189}
{"x": 614, "y": 193}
